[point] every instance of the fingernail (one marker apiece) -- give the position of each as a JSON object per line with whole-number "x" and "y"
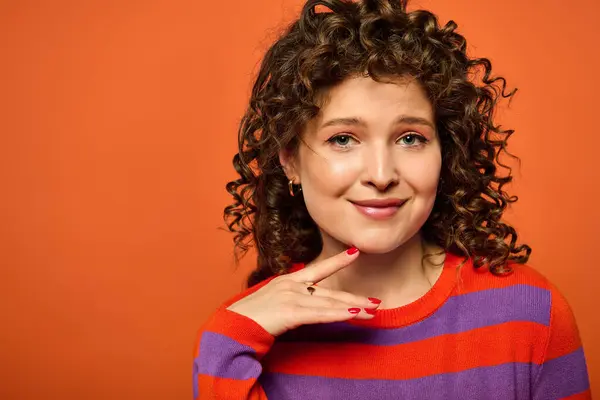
{"x": 352, "y": 250}
{"x": 354, "y": 310}
{"x": 370, "y": 311}
{"x": 374, "y": 300}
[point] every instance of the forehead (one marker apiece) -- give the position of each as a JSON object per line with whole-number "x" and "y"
{"x": 363, "y": 96}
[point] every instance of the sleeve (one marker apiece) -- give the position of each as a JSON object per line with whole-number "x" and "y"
{"x": 227, "y": 358}
{"x": 563, "y": 373}
{"x": 228, "y": 353}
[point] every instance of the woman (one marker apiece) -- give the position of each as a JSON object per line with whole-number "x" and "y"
{"x": 369, "y": 184}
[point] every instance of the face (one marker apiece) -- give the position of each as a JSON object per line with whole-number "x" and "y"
{"x": 369, "y": 164}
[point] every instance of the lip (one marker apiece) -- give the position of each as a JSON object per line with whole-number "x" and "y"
{"x": 379, "y": 203}
{"x": 379, "y": 208}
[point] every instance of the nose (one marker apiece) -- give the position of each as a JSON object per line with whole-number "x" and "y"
{"x": 381, "y": 169}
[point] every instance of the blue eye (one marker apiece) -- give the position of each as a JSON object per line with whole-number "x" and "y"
{"x": 412, "y": 140}
{"x": 341, "y": 140}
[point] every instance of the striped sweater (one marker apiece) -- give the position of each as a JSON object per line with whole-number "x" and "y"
{"x": 472, "y": 336}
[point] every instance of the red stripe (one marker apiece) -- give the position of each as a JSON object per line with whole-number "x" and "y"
{"x": 476, "y": 348}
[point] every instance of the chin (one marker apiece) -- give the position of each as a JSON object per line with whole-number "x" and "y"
{"x": 376, "y": 247}
{"x": 382, "y": 242}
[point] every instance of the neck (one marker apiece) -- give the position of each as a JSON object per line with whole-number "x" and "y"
{"x": 397, "y": 278}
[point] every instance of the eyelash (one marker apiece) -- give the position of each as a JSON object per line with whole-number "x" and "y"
{"x": 420, "y": 138}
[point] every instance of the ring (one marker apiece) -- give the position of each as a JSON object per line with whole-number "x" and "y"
{"x": 311, "y": 289}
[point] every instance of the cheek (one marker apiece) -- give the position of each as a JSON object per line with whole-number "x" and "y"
{"x": 329, "y": 176}
{"x": 423, "y": 173}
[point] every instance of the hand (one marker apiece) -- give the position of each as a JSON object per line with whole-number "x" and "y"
{"x": 285, "y": 303}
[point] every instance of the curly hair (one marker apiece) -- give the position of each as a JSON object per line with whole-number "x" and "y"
{"x": 379, "y": 39}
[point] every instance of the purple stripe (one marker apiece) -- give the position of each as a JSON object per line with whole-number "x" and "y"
{"x": 502, "y": 382}
{"x": 195, "y": 388}
{"x": 223, "y": 357}
{"x": 564, "y": 376}
{"x": 460, "y": 313}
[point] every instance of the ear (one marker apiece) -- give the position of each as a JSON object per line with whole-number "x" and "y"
{"x": 288, "y": 162}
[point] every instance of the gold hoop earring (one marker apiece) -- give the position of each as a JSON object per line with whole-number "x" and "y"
{"x": 291, "y": 187}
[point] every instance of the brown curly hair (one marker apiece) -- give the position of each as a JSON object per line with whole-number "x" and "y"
{"x": 379, "y": 39}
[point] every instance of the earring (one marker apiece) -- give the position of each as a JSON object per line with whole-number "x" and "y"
{"x": 291, "y": 187}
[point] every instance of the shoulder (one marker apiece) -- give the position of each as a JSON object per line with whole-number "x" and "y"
{"x": 246, "y": 292}
{"x": 231, "y": 324}
{"x": 475, "y": 279}
{"x": 525, "y": 290}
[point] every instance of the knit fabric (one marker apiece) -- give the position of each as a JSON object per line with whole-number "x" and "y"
{"x": 472, "y": 336}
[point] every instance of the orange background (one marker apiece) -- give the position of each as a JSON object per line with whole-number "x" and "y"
{"x": 118, "y": 125}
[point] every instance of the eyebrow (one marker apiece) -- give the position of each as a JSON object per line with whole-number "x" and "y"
{"x": 402, "y": 119}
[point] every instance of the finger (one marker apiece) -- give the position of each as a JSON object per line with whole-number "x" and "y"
{"x": 322, "y": 269}
{"x": 323, "y": 315}
{"x": 328, "y": 302}
{"x": 345, "y": 297}
{"x": 321, "y": 302}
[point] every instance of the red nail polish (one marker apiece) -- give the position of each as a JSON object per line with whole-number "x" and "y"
{"x": 354, "y": 310}
{"x": 374, "y": 300}
{"x": 370, "y": 311}
{"x": 352, "y": 250}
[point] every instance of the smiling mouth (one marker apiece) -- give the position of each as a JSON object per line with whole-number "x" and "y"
{"x": 379, "y": 208}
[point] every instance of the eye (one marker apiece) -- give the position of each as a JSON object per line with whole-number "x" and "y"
{"x": 412, "y": 140}
{"x": 341, "y": 140}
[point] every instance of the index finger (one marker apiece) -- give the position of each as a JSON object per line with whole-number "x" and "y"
{"x": 325, "y": 268}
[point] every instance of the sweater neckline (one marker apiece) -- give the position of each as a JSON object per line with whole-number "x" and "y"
{"x": 423, "y": 306}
